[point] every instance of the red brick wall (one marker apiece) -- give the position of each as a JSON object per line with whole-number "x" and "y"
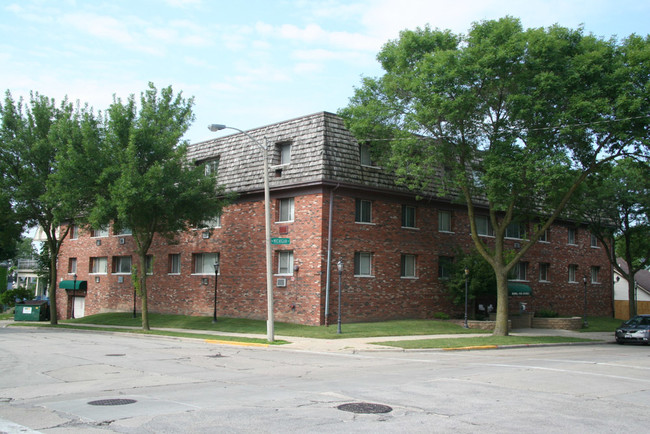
{"x": 242, "y": 281}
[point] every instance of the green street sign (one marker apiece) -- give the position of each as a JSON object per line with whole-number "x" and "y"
{"x": 280, "y": 240}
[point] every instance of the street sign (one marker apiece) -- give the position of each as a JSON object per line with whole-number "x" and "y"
{"x": 280, "y": 240}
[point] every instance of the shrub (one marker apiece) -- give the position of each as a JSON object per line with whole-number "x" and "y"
{"x": 8, "y": 298}
{"x": 440, "y": 315}
{"x": 546, "y": 313}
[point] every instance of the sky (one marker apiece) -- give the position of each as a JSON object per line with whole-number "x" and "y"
{"x": 247, "y": 63}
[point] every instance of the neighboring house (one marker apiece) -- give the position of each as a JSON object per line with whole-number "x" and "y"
{"x": 329, "y": 201}
{"x": 26, "y": 276}
{"x": 621, "y": 292}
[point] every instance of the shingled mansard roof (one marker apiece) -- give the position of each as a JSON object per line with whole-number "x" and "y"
{"x": 322, "y": 151}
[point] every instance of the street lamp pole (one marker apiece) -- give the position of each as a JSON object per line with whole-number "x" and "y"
{"x": 466, "y": 292}
{"x": 74, "y": 288}
{"x": 339, "y": 265}
{"x": 216, "y": 276}
{"x": 584, "y": 317}
{"x": 267, "y": 223}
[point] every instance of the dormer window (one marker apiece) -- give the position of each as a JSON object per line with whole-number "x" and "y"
{"x": 364, "y": 155}
{"x": 283, "y": 153}
{"x": 211, "y": 167}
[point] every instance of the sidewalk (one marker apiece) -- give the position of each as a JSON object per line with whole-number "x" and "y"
{"x": 355, "y": 345}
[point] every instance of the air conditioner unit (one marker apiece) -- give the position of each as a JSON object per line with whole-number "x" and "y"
{"x": 122, "y": 241}
{"x": 98, "y": 242}
{"x": 206, "y": 234}
{"x": 282, "y": 283}
{"x": 120, "y": 279}
{"x": 517, "y": 246}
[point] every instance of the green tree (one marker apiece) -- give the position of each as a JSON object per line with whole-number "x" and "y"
{"x": 616, "y": 204}
{"x": 42, "y": 149}
{"x": 481, "y": 282}
{"x": 507, "y": 120}
{"x": 151, "y": 188}
{"x": 10, "y": 228}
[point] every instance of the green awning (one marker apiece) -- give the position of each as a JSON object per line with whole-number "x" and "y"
{"x": 519, "y": 289}
{"x": 70, "y": 284}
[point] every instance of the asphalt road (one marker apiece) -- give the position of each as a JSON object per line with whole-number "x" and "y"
{"x": 62, "y": 381}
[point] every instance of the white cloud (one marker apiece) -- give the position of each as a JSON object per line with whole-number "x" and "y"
{"x": 101, "y": 26}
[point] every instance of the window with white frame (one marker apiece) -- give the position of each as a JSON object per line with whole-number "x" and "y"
{"x": 99, "y": 265}
{"x": 283, "y": 153}
{"x": 203, "y": 263}
{"x": 595, "y": 270}
{"x": 121, "y": 265}
{"x": 408, "y": 266}
{"x": 174, "y": 261}
{"x": 408, "y": 216}
{"x": 211, "y": 167}
{"x": 149, "y": 264}
{"x": 516, "y": 230}
{"x": 544, "y": 272}
{"x": 363, "y": 264}
{"x": 99, "y": 232}
{"x": 593, "y": 241}
{"x": 363, "y": 211}
{"x": 123, "y": 231}
{"x": 444, "y": 221}
{"x": 484, "y": 226}
{"x": 364, "y": 155}
{"x": 545, "y": 237}
{"x": 213, "y": 223}
{"x": 572, "y": 236}
{"x": 285, "y": 209}
{"x": 72, "y": 266}
{"x": 573, "y": 273}
{"x": 285, "y": 262}
{"x": 74, "y": 232}
{"x": 445, "y": 265}
{"x": 519, "y": 271}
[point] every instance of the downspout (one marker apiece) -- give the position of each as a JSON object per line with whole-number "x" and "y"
{"x": 329, "y": 256}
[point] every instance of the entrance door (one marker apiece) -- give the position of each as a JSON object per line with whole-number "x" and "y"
{"x": 79, "y": 306}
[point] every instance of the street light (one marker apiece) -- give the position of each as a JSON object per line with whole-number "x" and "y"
{"x": 584, "y": 317}
{"x": 74, "y": 286}
{"x": 339, "y": 265}
{"x": 267, "y": 224}
{"x": 216, "y": 276}
{"x": 466, "y": 278}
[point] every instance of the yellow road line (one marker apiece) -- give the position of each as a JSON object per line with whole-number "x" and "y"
{"x": 243, "y": 344}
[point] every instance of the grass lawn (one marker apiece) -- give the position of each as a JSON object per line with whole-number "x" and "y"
{"x": 239, "y": 325}
{"x": 601, "y": 324}
{"x": 486, "y": 342}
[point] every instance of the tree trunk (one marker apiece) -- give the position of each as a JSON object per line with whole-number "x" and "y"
{"x": 501, "y": 326}
{"x": 141, "y": 277}
{"x": 631, "y": 284}
{"x": 52, "y": 290}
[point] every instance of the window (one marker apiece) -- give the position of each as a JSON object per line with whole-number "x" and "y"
{"x": 364, "y": 155}
{"x": 283, "y": 153}
{"x": 99, "y": 232}
{"x": 594, "y": 274}
{"x": 519, "y": 271}
{"x": 573, "y": 273}
{"x": 204, "y": 262}
{"x": 72, "y": 266}
{"x": 285, "y": 262}
{"x": 445, "y": 264}
{"x": 174, "y": 263}
{"x": 123, "y": 231}
{"x": 211, "y": 167}
{"x": 408, "y": 216}
{"x": 484, "y": 226}
{"x": 213, "y": 223}
{"x": 363, "y": 211}
{"x": 516, "y": 231}
{"x": 572, "y": 236}
{"x": 444, "y": 221}
{"x": 408, "y": 266}
{"x": 545, "y": 237}
{"x": 74, "y": 232}
{"x": 544, "y": 270}
{"x": 285, "y": 210}
{"x": 121, "y": 264}
{"x": 594, "y": 241}
{"x": 99, "y": 265}
{"x": 363, "y": 264}
{"x": 149, "y": 264}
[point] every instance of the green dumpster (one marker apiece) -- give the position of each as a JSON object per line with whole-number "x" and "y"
{"x": 33, "y": 310}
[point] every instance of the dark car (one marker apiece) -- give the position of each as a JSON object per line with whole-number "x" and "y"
{"x": 635, "y": 329}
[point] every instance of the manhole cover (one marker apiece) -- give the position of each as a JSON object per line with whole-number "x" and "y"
{"x": 365, "y": 408}
{"x": 113, "y": 402}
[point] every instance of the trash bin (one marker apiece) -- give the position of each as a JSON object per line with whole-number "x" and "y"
{"x": 33, "y": 310}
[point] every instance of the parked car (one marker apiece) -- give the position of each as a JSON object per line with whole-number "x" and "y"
{"x": 635, "y": 329}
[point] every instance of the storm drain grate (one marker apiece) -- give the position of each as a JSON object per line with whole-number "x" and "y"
{"x": 365, "y": 408}
{"x": 113, "y": 402}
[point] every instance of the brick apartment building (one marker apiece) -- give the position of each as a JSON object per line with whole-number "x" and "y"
{"x": 329, "y": 201}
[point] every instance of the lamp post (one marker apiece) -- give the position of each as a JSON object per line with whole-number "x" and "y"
{"x": 134, "y": 296}
{"x": 339, "y": 266}
{"x": 216, "y": 276}
{"x": 466, "y": 291}
{"x": 267, "y": 224}
{"x": 584, "y": 317}
{"x": 74, "y": 287}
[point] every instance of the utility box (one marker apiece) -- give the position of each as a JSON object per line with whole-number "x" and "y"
{"x": 33, "y": 310}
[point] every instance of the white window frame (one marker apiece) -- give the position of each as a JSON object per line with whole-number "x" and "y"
{"x": 123, "y": 231}
{"x": 211, "y": 167}
{"x": 572, "y": 236}
{"x": 544, "y": 272}
{"x": 72, "y": 265}
{"x": 285, "y": 263}
{"x": 101, "y": 232}
{"x": 286, "y": 209}
{"x": 515, "y": 231}
{"x": 444, "y": 221}
{"x": 284, "y": 149}
{"x": 593, "y": 242}
{"x": 120, "y": 264}
{"x": 444, "y": 267}
{"x": 519, "y": 272}
{"x": 361, "y": 208}
{"x": 74, "y": 232}
{"x": 365, "y": 157}
{"x": 363, "y": 264}
{"x": 484, "y": 226}
{"x": 594, "y": 271}
{"x": 213, "y": 223}
{"x": 149, "y": 265}
{"x": 99, "y": 265}
{"x": 408, "y": 217}
{"x": 174, "y": 263}
{"x": 573, "y": 273}
{"x": 408, "y": 266}
{"x": 203, "y": 263}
